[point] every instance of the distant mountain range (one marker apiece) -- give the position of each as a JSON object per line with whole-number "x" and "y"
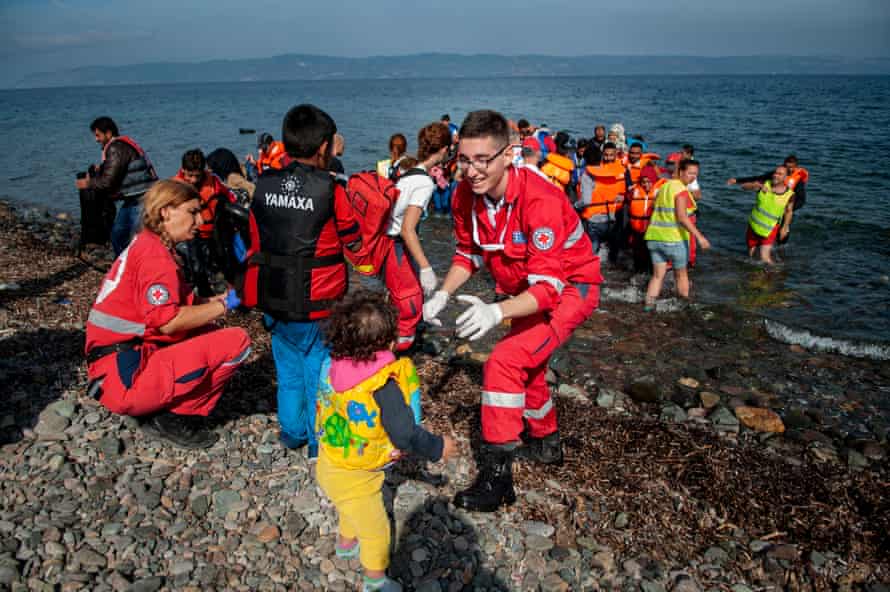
{"x": 439, "y": 65}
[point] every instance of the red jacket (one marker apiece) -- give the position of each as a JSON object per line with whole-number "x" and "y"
{"x": 537, "y": 242}
{"x": 141, "y": 292}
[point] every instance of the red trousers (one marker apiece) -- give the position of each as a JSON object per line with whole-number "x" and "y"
{"x": 513, "y": 381}
{"x": 400, "y": 275}
{"x": 185, "y": 378}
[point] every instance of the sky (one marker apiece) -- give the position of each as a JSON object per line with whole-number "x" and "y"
{"x": 50, "y": 35}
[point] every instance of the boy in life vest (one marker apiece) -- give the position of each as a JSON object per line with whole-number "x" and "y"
{"x": 668, "y": 233}
{"x": 301, "y": 223}
{"x": 365, "y": 423}
{"x": 774, "y": 205}
{"x": 640, "y": 206}
{"x": 526, "y": 233}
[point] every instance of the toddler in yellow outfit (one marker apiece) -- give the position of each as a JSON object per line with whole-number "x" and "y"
{"x": 365, "y": 422}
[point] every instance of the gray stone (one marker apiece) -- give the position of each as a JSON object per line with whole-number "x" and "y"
{"x": 51, "y": 425}
{"x": 716, "y": 556}
{"x": 89, "y": 558}
{"x": 672, "y": 413}
{"x": 553, "y": 583}
{"x": 759, "y": 546}
{"x": 538, "y": 543}
{"x": 572, "y": 391}
{"x": 633, "y": 569}
{"x": 741, "y": 588}
{"x": 199, "y": 505}
{"x": 685, "y": 584}
{"x": 650, "y": 586}
{"x": 539, "y": 528}
{"x": 621, "y": 520}
{"x": 55, "y": 463}
{"x": 607, "y": 398}
{"x": 92, "y": 419}
{"x": 419, "y": 555}
{"x": 109, "y": 445}
{"x": 224, "y": 500}
{"x": 856, "y": 460}
{"x": 724, "y": 420}
{"x": 8, "y": 575}
{"x": 152, "y": 584}
{"x": 817, "y": 559}
{"x": 62, "y": 408}
{"x": 180, "y": 568}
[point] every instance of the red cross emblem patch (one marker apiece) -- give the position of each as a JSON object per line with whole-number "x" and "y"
{"x": 158, "y": 294}
{"x": 543, "y": 238}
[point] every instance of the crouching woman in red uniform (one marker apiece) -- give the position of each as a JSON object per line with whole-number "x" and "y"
{"x": 151, "y": 349}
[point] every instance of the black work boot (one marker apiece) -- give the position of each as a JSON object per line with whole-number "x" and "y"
{"x": 185, "y": 431}
{"x": 546, "y": 450}
{"x": 494, "y": 483}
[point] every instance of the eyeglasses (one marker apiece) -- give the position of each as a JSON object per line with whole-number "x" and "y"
{"x": 480, "y": 164}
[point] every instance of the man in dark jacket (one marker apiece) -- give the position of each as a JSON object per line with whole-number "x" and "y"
{"x": 125, "y": 174}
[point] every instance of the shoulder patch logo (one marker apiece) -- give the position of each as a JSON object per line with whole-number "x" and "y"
{"x": 543, "y": 238}
{"x": 158, "y": 294}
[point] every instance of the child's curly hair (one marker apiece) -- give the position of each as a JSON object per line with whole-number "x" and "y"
{"x": 361, "y": 324}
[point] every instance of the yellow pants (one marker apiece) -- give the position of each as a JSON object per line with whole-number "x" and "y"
{"x": 359, "y": 501}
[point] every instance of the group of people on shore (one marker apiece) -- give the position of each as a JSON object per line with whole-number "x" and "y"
{"x": 529, "y": 207}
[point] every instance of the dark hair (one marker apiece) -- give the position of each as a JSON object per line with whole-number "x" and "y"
{"x": 782, "y": 166}
{"x": 361, "y": 324}
{"x": 264, "y": 140}
{"x": 790, "y": 159}
{"x": 523, "y": 123}
{"x": 223, "y": 163}
{"x": 104, "y": 125}
{"x": 686, "y": 163}
{"x": 593, "y": 156}
{"x": 688, "y": 148}
{"x": 599, "y": 127}
{"x": 305, "y": 129}
{"x": 609, "y": 146}
{"x": 635, "y": 145}
{"x": 193, "y": 160}
{"x": 485, "y": 123}
{"x": 398, "y": 143}
{"x": 446, "y": 117}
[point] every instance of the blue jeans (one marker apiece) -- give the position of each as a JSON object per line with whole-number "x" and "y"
{"x": 442, "y": 198}
{"x": 299, "y": 350}
{"x": 598, "y": 233}
{"x": 125, "y": 224}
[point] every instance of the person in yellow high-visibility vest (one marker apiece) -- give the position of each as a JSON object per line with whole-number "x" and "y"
{"x": 669, "y": 230}
{"x": 775, "y": 204}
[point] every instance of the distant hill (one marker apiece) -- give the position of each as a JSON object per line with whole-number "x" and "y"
{"x": 437, "y": 65}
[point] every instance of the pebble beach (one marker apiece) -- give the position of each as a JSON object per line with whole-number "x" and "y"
{"x": 701, "y": 455}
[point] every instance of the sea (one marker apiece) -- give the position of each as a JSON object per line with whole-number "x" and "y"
{"x": 829, "y": 291}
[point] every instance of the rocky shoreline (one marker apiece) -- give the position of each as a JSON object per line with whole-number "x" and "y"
{"x": 700, "y": 455}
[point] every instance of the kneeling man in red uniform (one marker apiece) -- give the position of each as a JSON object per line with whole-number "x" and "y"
{"x": 527, "y": 234}
{"x": 152, "y": 350}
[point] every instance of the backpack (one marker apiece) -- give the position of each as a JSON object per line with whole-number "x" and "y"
{"x": 372, "y": 198}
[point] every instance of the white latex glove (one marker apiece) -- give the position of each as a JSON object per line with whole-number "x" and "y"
{"x": 435, "y": 305}
{"x": 479, "y": 319}
{"x": 428, "y": 280}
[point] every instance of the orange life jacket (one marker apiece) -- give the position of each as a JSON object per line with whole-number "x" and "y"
{"x": 273, "y": 158}
{"x": 558, "y": 169}
{"x": 800, "y": 175}
{"x": 610, "y": 184}
{"x": 211, "y": 188}
{"x": 636, "y": 169}
{"x": 641, "y": 205}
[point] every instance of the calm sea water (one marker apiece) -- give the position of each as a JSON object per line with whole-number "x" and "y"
{"x": 833, "y": 281}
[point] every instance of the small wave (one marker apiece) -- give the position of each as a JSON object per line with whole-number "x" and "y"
{"x": 804, "y": 338}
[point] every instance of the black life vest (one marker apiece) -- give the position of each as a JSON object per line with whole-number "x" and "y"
{"x": 291, "y": 207}
{"x": 141, "y": 173}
